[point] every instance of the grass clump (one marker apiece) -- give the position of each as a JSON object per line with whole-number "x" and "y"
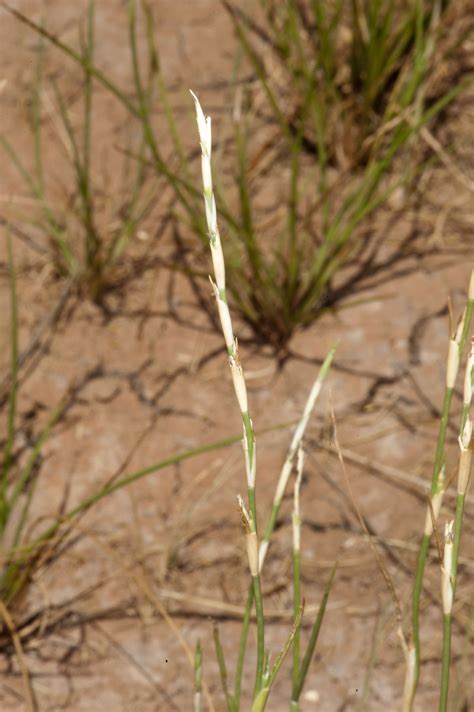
{"x": 341, "y": 90}
{"x": 346, "y": 88}
{"x": 346, "y": 70}
{"x": 87, "y": 229}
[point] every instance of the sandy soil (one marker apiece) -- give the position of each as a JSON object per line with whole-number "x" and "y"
{"x": 109, "y": 622}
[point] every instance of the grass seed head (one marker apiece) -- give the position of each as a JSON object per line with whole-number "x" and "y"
{"x": 465, "y": 458}
{"x": 432, "y": 512}
{"x": 226, "y": 321}
{"x": 204, "y": 127}
{"x": 447, "y": 591}
{"x": 250, "y": 466}
{"x": 469, "y": 378}
{"x": 251, "y": 540}
{"x": 239, "y": 380}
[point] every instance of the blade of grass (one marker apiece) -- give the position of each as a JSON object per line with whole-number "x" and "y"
{"x": 298, "y": 688}
{"x": 36, "y": 116}
{"x": 262, "y": 698}
{"x": 222, "y": 669}
{"x": 197, "y": 677}
{"x": 12, "y": 397}
{"x": 296, "y": 525}
{"x": 26, "y": 473}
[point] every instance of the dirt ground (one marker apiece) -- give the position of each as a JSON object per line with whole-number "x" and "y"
{"x": 110, "y": 622}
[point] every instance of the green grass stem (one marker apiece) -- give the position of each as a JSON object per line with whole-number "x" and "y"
{"x": 222, "y": 669}
{"x": 198, "y": 677}
{"x": 315, "y": 630}
{"x": 445, "y": 663}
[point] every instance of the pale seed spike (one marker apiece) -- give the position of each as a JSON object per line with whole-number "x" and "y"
{"x": 447, "y": 592}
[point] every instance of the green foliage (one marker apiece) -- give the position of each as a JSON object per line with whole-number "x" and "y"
{"x": 358, "y": 64}
{"x": 346, "y": 85}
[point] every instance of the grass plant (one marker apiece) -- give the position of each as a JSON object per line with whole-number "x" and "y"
{"x": 349, "y": 69}
{"x": 329, "y": 75}
{"x": 438, "y": 482}
{"x": 87, "y": 242}
{"x": 265, "y": 674}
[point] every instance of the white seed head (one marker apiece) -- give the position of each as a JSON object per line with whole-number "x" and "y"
{"x": 465, "y": 458}
{"x": 250, "y": 467}
{"x": 263, "y": 552}
{"x": 466, "y": 436}
{"x": 252, "y": 553}
{"x": 446, "y": 569}
{"x": 224, "y": 316}
{"x": 206, "y": 174}
{"x": 239, "y": 382}
{"x": 436, "y": 502}
{"x": 218, "y": 261}
{"x": 211, "y": 216}
{"x": 204, "y": 127}
{"x": 246, "y": 518}
{"x": 471, "y": 287}
{"x": 453, "y": 363}
{"x": 460, "y": 327}
{"x": 251, "y": 540}
{"x": 469, "y": 378}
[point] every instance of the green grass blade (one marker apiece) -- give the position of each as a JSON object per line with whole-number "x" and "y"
{"x": 26, "y": 473}
{"x": 314, "y": 635}
{"x": 197, "y": 677}
{"x": 12, "y": 397}
{"x": 222, "y": 669}
{"x": 92, "y": 239}
{"x": 36, "y": 116}
{"x": 262, "y": 698}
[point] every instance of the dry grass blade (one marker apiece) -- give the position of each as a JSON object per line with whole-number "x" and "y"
{"x": 29, "y": 694}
